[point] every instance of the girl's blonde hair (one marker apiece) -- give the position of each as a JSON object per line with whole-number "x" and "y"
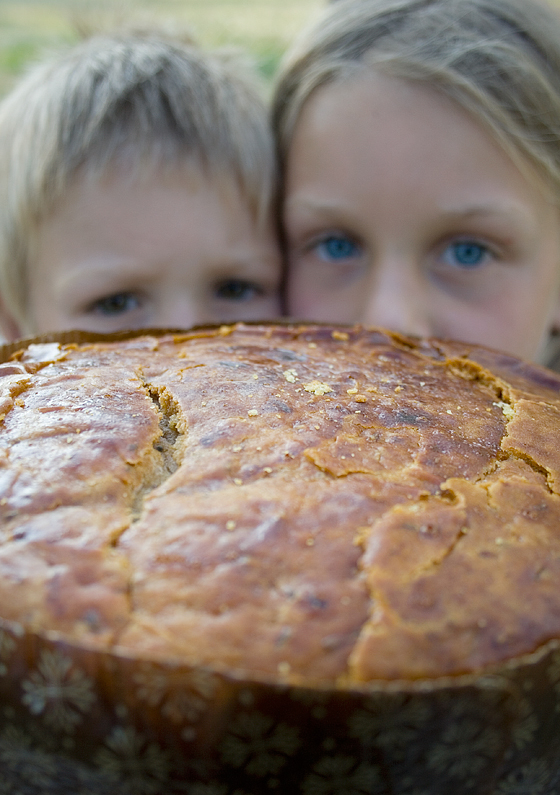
{"x": 132, "y": 98}
{"x": 499, "y": 59}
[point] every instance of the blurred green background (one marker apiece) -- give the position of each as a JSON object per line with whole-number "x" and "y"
{"x": 32, "y": 28}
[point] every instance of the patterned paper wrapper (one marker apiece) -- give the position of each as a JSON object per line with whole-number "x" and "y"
{"x": 76, "y": 721}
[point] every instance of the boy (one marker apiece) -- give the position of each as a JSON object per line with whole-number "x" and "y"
{"x": 136, "y": 185}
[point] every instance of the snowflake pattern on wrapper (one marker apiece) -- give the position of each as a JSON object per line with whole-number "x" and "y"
{"x": 343, "y": 775}
{"x": 527, "y": 726}
{"x": 58, "y": 691}
{"x": 532, "y": 779}
{"x": 21, "y": 761}
{"x": 186, "y": 703}
{"x": 259, "y": 745}
{"x": 415, "y": 791}
{"x": 553, "y": 673}
{"x": 7, "y": 647}
{"x": 390, "y": 723}
{"x": 208, "y": 789}
{"x": 465, "y": 748}
{"x": 137, "y": 765}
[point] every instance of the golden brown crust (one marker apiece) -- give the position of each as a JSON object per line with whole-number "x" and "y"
{"x": 303, "y": 503}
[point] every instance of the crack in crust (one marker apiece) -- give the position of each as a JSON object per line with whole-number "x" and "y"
{"x": 169, "y": 447}
{"x": 535, "y": 466}
{"x": 14, "y": 381}
{"x": 472, "y": 371}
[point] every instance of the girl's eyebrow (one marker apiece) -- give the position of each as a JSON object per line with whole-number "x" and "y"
{"x": 506, "y": 213}
{"x": 490, "y": 208}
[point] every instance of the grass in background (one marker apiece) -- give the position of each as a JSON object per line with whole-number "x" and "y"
{"x": 31, "y": 28}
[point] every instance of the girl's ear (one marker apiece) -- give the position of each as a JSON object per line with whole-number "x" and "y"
{"x": 10, "y": 329}
{"x": 551, "y": 355}
{"x": 555, "y": 325}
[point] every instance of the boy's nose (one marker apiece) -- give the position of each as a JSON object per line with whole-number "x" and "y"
{"x": 396, "y": 301}
{"x": 181, "y": 311}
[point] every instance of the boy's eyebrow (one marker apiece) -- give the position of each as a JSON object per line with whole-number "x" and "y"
{"x": 120, "y": 269}
{"x": 90, "y": 269}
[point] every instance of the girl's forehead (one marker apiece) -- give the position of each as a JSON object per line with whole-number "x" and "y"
{"x": 373, "y": 92}
{"x": 393, "y": 121}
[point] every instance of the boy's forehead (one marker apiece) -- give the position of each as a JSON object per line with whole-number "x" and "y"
{"x": 186, "y": 169}
{"x": 139, "y": 169}
{"x": 184, "y": 175}
{"x": 98, "y": 206}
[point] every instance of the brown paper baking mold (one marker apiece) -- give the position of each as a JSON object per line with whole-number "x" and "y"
{"x": 74, "y": 720}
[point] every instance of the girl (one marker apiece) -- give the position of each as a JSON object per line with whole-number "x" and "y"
{"x": 420, "y": 146}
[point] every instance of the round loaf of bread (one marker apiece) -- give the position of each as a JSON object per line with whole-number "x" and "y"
{"x": 285, "y": 558}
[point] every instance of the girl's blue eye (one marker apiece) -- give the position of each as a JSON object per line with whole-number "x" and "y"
{"x": 337, "y": 247}
{"x": 466, "y": 254}
{"x": 116, "y": 304}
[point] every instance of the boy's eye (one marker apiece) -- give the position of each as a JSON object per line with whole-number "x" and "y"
{"x": 237, "y": 290}
{"x": 466, "y": 254}
{"x": 337, "y": 247}
{"x": 116, "y": 304}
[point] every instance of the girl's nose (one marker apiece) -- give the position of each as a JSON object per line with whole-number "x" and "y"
{"x": 396, "y": 301}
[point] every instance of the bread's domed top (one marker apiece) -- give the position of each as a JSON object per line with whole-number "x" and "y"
{"x": 309, "y": 504}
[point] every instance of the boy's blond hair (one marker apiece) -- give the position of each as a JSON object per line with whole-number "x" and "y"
{"x": 499, "y": 59}
{"x": 133, "y": 99}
